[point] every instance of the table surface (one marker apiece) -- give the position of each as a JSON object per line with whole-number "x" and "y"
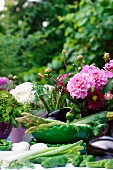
{"x": 68, "y": 167}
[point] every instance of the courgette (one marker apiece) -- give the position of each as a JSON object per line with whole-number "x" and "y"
{"x": 98, "y": 118}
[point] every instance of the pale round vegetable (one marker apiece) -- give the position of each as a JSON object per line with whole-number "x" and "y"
{"x": 39, "y": 147}
{"x": 25, "y": 144}
{"x": 22, "y": 146}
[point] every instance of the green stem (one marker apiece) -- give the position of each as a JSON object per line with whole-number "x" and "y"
{"x": 45, "y": 104}
{"x": 55, "y": 151}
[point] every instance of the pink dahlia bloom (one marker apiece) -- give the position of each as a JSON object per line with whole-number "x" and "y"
{"x": 109, "y": 69}
{"x": 109, "y": 66}
{"x": 98, "y": 75}
{"x": 88, "y": 68}
{"x": 100, "y": 78}
{"x": 79, "y": 85}
{"x": 109, "y": 74}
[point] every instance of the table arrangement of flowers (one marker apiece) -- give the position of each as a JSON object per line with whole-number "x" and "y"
{"x": 77, "y": 123}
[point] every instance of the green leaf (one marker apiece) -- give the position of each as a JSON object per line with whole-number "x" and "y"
{"x": 63, "y": 134}
{"x": 108, "y": 86}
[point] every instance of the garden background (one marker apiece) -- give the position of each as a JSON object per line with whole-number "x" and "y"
{"x": 33, "y": 34}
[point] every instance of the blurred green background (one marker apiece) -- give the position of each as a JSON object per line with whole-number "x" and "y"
{"x": 33, "y": 34}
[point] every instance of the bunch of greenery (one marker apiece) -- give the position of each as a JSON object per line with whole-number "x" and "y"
{"x": 89, "y": 30}
{"x": 10, "y": 108}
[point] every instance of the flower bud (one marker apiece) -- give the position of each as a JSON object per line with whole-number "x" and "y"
{"x": 108, "y": 96}
{"x": 48, "y": 70}
{"x": 79, "y": 68}
{"x": 79, "y": 57}
{"x": 15, "y": 77}
{"x": 106, "y": 56}
{"x": 10, "y": 77}
{"x": 40, "y": 75}
{"x": 83, "y": 62}
{"x": 64, "y": 52}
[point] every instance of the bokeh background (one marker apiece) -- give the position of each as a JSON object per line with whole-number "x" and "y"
{"x": 34, "y": 32}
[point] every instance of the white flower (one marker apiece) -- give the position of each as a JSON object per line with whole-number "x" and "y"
{"x": 24, "y": 93}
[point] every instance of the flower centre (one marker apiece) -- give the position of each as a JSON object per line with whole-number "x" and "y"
{"x": 111, "y": 70}
{"x": 94, "y": 97}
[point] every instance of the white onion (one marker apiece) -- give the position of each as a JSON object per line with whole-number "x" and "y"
{"x": 38, "y": 146}
{"x": 22, "y": 146}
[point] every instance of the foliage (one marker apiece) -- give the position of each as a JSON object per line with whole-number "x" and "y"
{"x": 81, "y": 27}
{"x": 10, "y": 108}
{"x": 34, "y": 43}
{"x": 89, "y": 30}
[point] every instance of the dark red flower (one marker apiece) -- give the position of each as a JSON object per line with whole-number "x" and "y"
{"x": 95, "y": 99}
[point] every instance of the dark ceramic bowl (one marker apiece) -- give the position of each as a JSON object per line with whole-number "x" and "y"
{"x": 5, "y": 130}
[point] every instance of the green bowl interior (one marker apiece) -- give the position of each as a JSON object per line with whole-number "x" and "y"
{"x": 63, "y": 134}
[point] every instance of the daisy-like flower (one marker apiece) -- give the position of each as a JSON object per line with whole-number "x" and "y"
{"x": 95, "y": 99}
{"x": 79, "y": 85}
{"x": 98, "y": 75}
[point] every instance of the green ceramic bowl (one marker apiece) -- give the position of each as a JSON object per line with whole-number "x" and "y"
{"x": 63, "y": 134}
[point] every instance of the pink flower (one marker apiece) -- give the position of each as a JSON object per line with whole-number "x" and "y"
{"x": 109, "y": 66}
{"x": 61, "y": 79}
{"x": 108, "y": 96}
{"x": 61, "y": 82}
{"x": 3, "y": 83}
{"x": 79, "y": 85}
{"x": 88, "y": 68}
{"x": 3, "y": 80}
{"x": 100, "y": 78}
{"x": 109, "y": 69}
{"x": 109, "y": 74}
{"x": 98, "y": 75}
{"x": 95, "y": 99}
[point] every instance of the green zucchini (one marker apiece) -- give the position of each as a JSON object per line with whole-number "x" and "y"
{"x": 98, "y": 118}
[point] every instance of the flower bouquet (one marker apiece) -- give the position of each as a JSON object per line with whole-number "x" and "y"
{"x": 80, "y": 101}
